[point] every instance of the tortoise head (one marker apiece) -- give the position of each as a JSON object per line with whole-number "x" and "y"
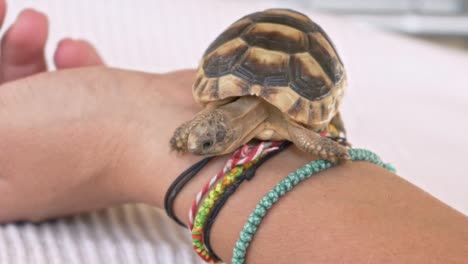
{"x": 210, "y": 135}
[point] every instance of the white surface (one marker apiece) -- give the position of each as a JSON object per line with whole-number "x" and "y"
{"x": 454, "y": 25}
{"x": 407, "y": 101}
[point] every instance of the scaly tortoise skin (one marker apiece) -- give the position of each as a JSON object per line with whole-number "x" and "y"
{"x": 272, "y": 75}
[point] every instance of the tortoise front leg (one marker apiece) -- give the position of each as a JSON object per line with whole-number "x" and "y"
{"x": 311, "y": 142}
{"x": 339, "y": 135}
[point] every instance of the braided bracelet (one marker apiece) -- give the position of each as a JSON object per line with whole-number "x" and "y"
{"x": 245, "y": 168}
{"x": 207, "y": 205}
{"x": 243, "y": 155}
{"x": 248, "y": 174}
{"x": 293, "y": 179}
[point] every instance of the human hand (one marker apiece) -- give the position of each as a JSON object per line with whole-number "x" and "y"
{"x": 81, "y": 139}
{"x": 22, "y": 55}
{"x": 49, "y": 167}
{"x": 22, "y": 47}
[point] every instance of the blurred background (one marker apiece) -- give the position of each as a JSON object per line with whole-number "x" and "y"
{"x": 441, "y": 21}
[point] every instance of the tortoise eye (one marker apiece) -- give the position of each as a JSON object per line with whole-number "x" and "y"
{"x": 207, "y": 144}
{"x": 220, "y": 135}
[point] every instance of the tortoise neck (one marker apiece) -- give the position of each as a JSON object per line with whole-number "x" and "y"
{"x": 245, "y": 115}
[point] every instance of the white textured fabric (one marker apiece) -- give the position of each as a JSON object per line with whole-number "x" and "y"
{"x": 403, "y": 98}
{"x": 126, "y": 234}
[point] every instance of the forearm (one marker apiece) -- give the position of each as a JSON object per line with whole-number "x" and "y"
{"x": 82, "y": 139}
{"x": 353, "y": 213}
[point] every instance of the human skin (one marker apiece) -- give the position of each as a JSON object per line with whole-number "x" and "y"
{"x": 23, "y": 44}
{"x": 23, "y": 51}
{"x": 88, "y": 138}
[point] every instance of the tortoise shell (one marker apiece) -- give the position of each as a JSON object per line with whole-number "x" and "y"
{"x": 279, "y": 55}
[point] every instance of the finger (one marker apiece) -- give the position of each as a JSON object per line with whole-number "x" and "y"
{"x": 2, "y": 11}
{"x": 76, "y": 53}
{"x": 23, "y": 46}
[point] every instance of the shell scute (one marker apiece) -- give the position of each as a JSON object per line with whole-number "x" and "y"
{"x": 276, "y": 37}
{"x": 288, "y": 13}
{"x": 229, "y": 34}
{"x": 265, "y": 67}
{"x": 220, "y": 61}
{"x": 285, "y": 20}
{"x": 324, "y": 53}
{"x": 307, "y": 78}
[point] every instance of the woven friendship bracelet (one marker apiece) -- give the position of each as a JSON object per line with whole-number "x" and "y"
{"x": 243, "y": 155}
{"x": 293, "y": 179}
{"x": 248, "y": 174}
{"x": 207, "y": 205}
{"x": 229, "y": 178}
{"x": 228, "y": 184}
{"x": 177, "y": 186}
{"x": 231, "y": 162}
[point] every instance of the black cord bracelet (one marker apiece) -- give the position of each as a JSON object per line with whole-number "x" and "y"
{"x": 246, "y": 175}
{"x": 177, "y": 186}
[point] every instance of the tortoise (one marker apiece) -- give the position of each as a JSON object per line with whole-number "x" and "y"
{"x": 271, "y": 75}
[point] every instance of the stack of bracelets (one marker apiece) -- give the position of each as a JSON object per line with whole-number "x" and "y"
{"x": 240, "y": 167}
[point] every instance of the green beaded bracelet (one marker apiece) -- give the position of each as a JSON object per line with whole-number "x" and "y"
{"x": 254, "y": 220}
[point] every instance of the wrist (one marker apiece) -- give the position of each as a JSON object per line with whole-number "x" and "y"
{"x": 148, "y": 166}
{"x": 186, "y": 196}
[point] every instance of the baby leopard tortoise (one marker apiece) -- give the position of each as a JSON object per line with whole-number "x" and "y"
{"x": 272, "y": 75}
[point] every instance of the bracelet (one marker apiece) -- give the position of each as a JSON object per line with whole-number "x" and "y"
{"x": 219, "y": 203}
{"x": 254, "y": 220}
{"x": 206, "y": 207}
{"x": 177, "y": 186}
{"x": 243, "y": 155}
{"x": 214, "y": 194}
